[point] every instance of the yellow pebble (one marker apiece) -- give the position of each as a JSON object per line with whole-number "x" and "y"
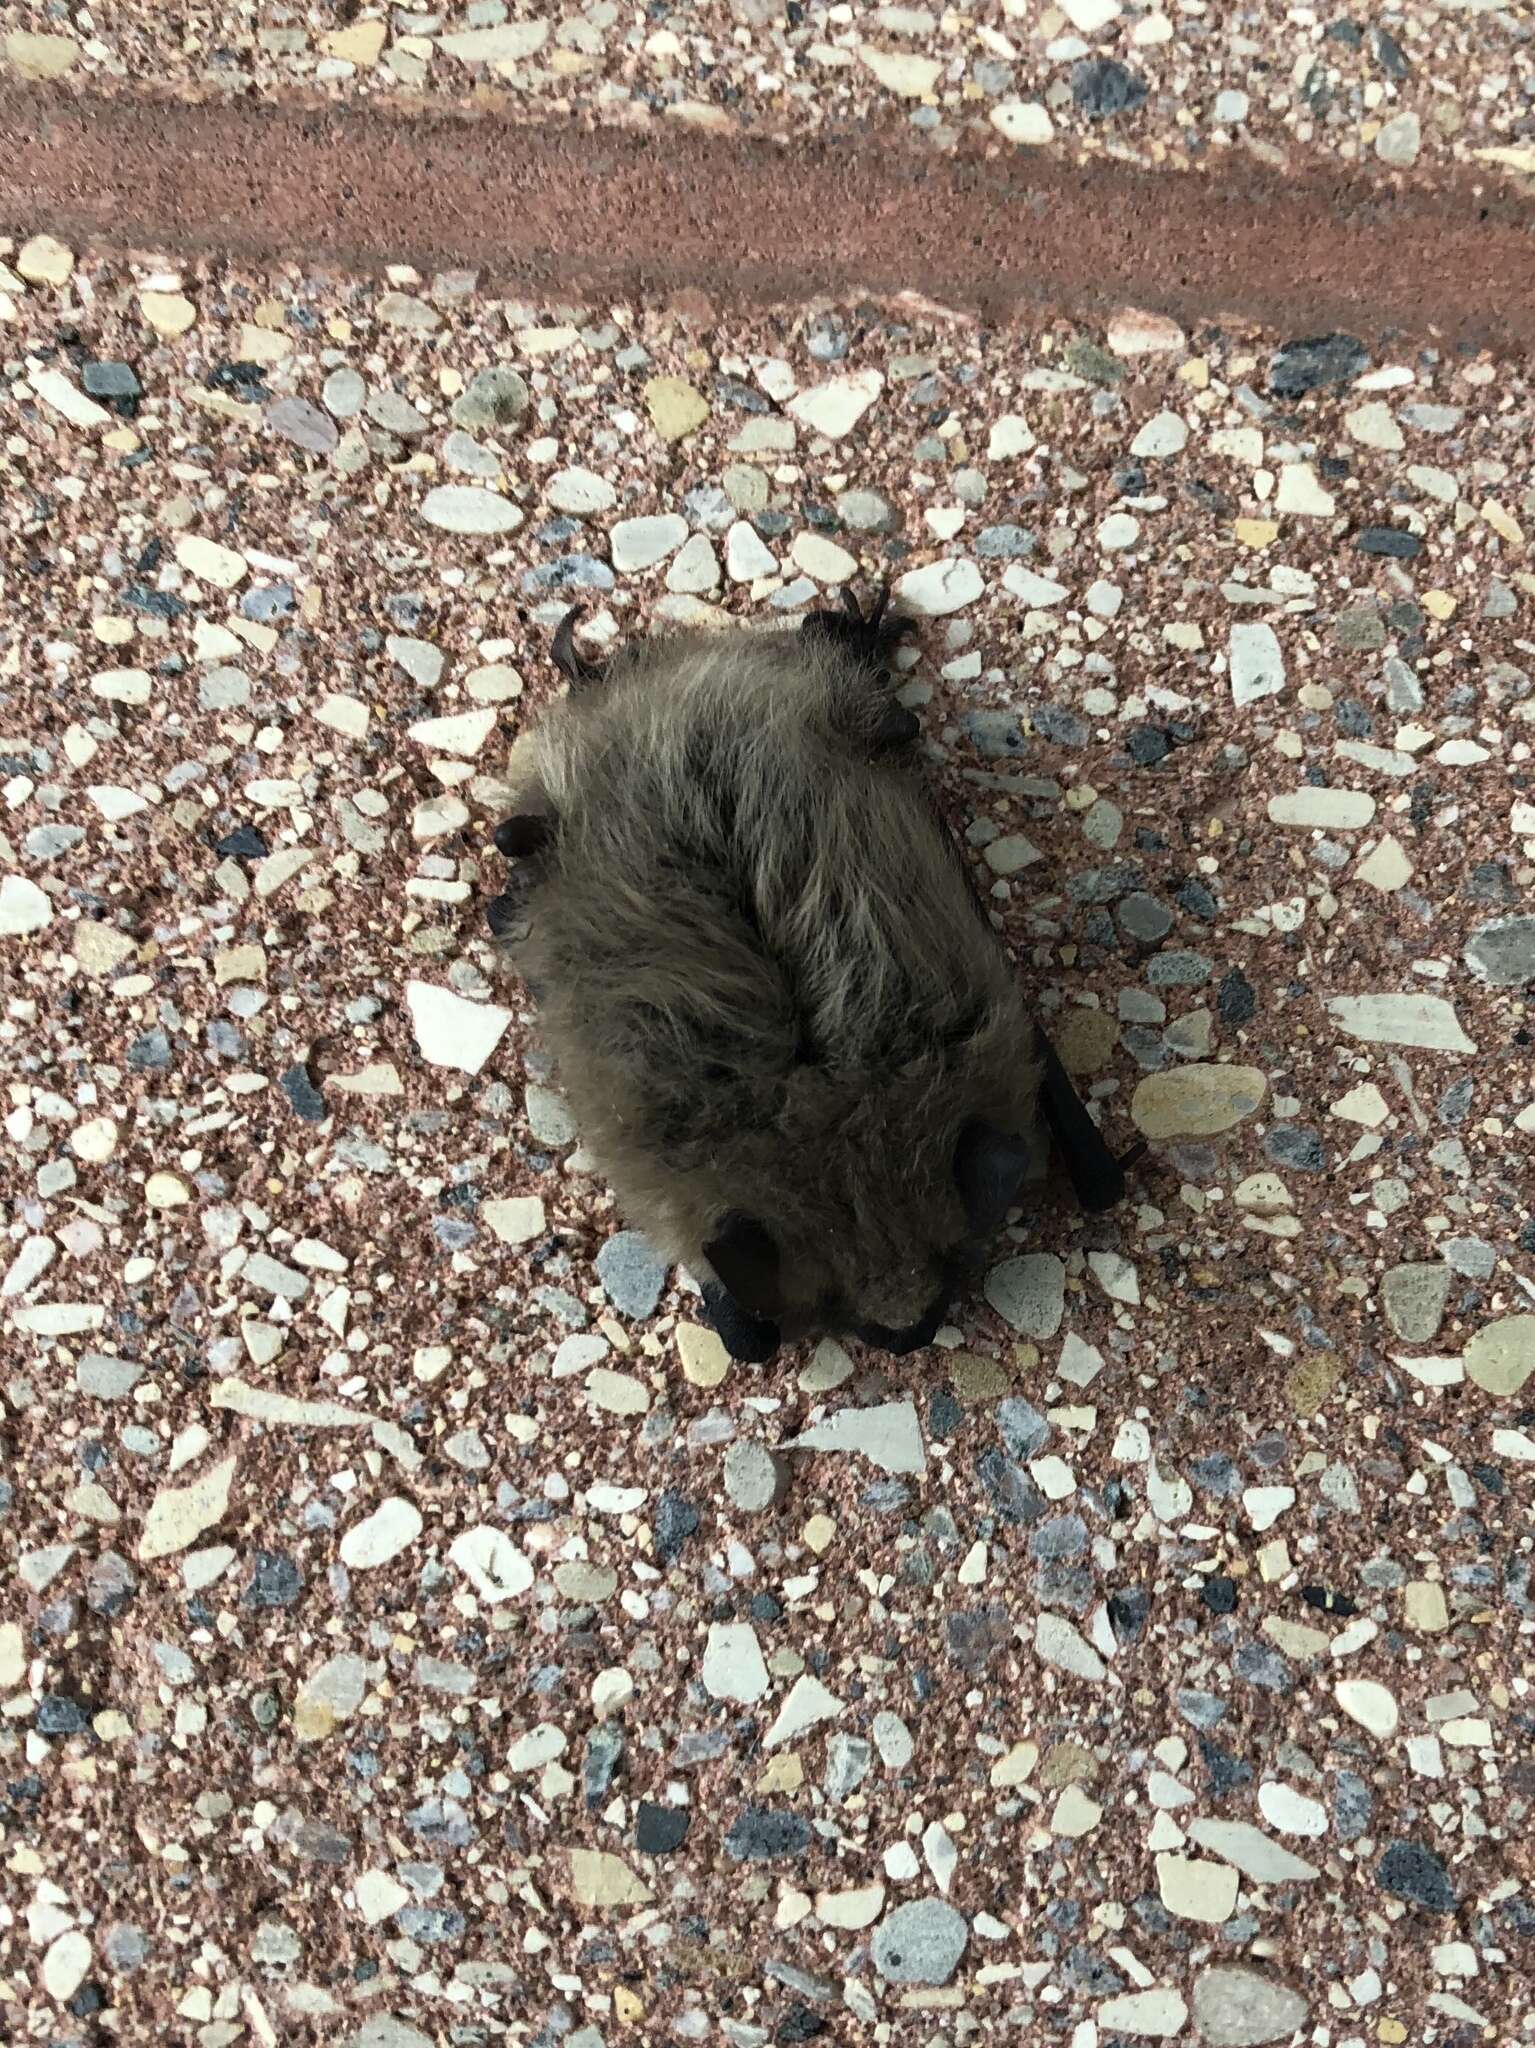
{"x": 705, "y": 1361}
{"x": 1257, "y": 533}
{"x": 818, "y": 1532}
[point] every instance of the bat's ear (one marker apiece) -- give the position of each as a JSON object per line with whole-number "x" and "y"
{"x": 746, "y": 1261}
{"x": 525, "y": 834}
{"x": 751, "y": 1339}
{"x": 989, "y": 1166}
{"x": 575, "y": 668}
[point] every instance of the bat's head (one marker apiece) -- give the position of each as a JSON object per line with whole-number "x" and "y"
{"x": 886, "y": 1276}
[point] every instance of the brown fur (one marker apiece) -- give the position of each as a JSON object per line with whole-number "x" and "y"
{"x": 763, "y": 969}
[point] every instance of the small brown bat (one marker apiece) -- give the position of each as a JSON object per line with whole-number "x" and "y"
{"x": 785, "y": 1025}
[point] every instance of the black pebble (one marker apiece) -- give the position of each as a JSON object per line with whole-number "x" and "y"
{"x": 1101, "y": 88}
{"x": 1326, "y": 359}
{"x": 306, "y": 1099}
{"x": 660, "y": 1830}
{"x": 799, "y": 2023}
{"x": 1128, "y": 1611}
{"x": 57, "y": 1714}
{"x": 1146, "y": 745}
{"x": 1388, "y": 540}
{"x": 675, "y": 1521}
{"x": 1409, "y": 1871}
{"x": 244, "y": 843}
{"x": 275, "y": 1581}
{"x": 1219, "y": 1594}
{"x": 1235, "y": 998}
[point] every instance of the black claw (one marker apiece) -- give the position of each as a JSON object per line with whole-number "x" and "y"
{"x": 576, "y": 669}
{"x": 503, "y": 913}
{"x": 1096, "y": 1175}
{"x": 898, "y": 728}
{"x": 868, "y": 634}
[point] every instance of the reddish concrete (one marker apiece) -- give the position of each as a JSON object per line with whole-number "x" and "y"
{"x": 554, "y": 209}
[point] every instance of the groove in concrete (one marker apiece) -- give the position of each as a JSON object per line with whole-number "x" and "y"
{"x": 562, "y": 210}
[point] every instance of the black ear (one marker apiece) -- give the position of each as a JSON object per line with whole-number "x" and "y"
{"x": 745, "y": 1258}
{"x": 1097, "y": 1176}
{"x": 989, "y": 1166}
{"x": 576, "y": 669}
{"x": 750, "y": 1339}
{"x": 520, "y": 837}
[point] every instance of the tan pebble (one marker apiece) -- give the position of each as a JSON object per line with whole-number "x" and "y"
{"x": 168, "y": 313}
{"x": 45, "y": 260}
{"x": 818, "y": 1533}
{"x": 517, "y": 1219}
{"x": 94, "y": 1140}
{"x": 705, "y": 1361}
{"x": 210, "y": 561}
{"x": 361, "y": 44}
{"x": 166, "y": 1191}
{"x": 675, "y": 407}
{"x": 1197, "y": 1890}
{"x": 596, "y": 1877}
{"x": 1197, "y": 1101}
{"x": 1423, "y": 1606}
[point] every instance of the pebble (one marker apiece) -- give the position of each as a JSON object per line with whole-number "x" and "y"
{"x": 638, "y": 544}
{"x": 1414, "y": 1298}
{"x": 1029, "y": 1293}
{"x": 1369, "y": 1703}
{"x": 469, "y": 509}
{"x": 491, "y": 1562}
{"x": 1399, "y": 140}
{"x": 496, "y": 396}
{"x": 762, "y": 1835}
{"x": 1500, "y": 1356}
{"x": 834, "y": 408}
{"x": 921, "y": 1942}
{"x": 1152, "y": 2015}
{"x": 178, "y": 1515}
{"x": 632, "y": 1272}
{"x": 24, "y": 907}
{"x": 1025, "y": 122}
{"x": 1256, "y": 664}
{"x": 887, "y": 1434}
{"x": 1428, "y": 1022}
{"x": 452, "y": 1031}
{"x": 304, "y": 425}
{"x": 580, "y": 492}
{"x": 1196, "y": 1890}
{"x": 754, "y": 1479}
{"x": 380, "y": 1537}
{"x": 1322, "y": 810}
{"x": 1197, "y": 1101}
{"x": 940, "y": 588}
{"x": 1242, "y": 2008}
{"x": 1318, "y": 364}
{"x": 1410, "y": 1871}
{"x": 677, "y": 409}
{"x": 1502, "y": 952}
{"x": 1102, "y": 87}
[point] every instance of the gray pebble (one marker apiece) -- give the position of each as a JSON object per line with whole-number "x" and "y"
{"x": 1502, "y": 952}
{"x": 633, "y": 1273}
{"x": 920, "y": 1943}
{"x": 1142, "y": 917}
{"x": 754, "y": 1478}
{"x": 848, "y": 1758}
{"x": 763, "y": 1835}
{"x": 496, "y": 397}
